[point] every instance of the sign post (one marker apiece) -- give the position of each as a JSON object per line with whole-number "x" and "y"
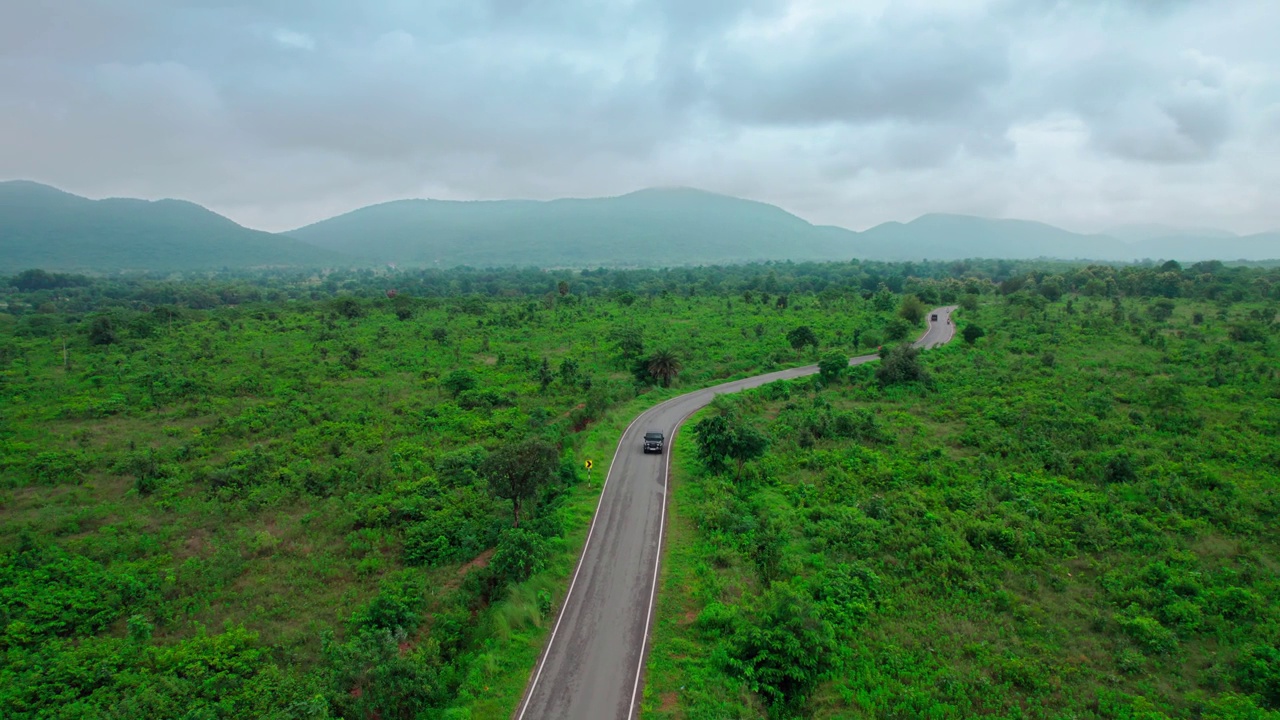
{"x": 588, "y": 465}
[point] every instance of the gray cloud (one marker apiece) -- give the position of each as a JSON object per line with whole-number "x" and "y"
{"x": 1178, "y": 110}
{"x": 917, "y": 71}
{"x": 279, "y": 112}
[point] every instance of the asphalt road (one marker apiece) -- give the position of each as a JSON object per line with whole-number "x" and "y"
{"x": 592, "y": 667}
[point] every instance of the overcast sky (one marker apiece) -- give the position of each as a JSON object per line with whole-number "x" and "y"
{"x": 277, "y": 113}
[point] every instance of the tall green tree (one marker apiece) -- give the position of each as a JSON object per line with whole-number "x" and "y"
{"x": 800, "y": 336}
{"x": 664, "y": 366}
{"x": 518, "y": 471}
{"x": 721, "y": 438}
{"x": 545, "y": 374}
{"x": 897, "y": 329}
{"x": 629, "y": 341}
{"x": 912, "y": 309}
{"x": 883, "y": 299}
{"x": 972, "y": 332}
{"x": 102, "y": 331}
{"x": 568, "y": 371}
{"x": 459, "y": 381}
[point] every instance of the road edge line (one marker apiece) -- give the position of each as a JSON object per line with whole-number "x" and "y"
{"x": 657, "y": 564}
{"x": 662, "y": 529}
{"x": 666, "y": 497}
{"x": 546, "y": 651}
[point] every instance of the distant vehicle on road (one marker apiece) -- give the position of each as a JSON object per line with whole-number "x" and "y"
{"x": 934, "y": 317}
{"x": 653, "y": 442}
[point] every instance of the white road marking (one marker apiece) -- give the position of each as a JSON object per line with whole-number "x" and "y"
{"x": 653, "y": 590}
{"x": 657, "y": 564}
{"x": 581, "y": 559}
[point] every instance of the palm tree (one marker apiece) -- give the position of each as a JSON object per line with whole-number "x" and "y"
{"x": 664, "y": 366}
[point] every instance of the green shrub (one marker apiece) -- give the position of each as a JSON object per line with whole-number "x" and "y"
{"x": 783, "y": 649}
{"x": 1258, "y": 671}
{"x": 520, "y": 554}
{"x": 1147, "y": 632}
{"x": 398, "y": 604}
{"x": 900, "y": 364}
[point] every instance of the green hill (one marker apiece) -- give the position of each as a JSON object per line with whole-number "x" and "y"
{"x": 954, "y": 237}
{"x": 667, "y": 227}
{"x": 42, "y": 227}
{"x": 648, "y": 228}
{"x": 1191, "y": 248}
{"x": 948, "y": 237}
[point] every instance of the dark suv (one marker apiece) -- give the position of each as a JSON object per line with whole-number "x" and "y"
{"x": 653, "y": 442}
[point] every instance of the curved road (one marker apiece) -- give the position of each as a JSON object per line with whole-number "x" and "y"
{"x": 593, "y": 665}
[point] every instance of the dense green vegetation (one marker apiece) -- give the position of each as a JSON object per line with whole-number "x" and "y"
{"x": 330, "y": 506}
{"x": 1073, "y": 514}
{"x": 360, "y": 494}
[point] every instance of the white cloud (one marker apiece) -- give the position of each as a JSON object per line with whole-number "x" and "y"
{"x": 294, "y": 40}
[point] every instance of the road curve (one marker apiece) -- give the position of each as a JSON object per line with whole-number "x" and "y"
{"x": 593, "y": 665}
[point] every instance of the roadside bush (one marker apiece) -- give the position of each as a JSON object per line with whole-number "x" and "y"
{"x": 900, "y": 364}
{"x": 520, "y": 554}
{"x": 898, "y": 329}
{"x": 784, "y": 649}
{"x": 832, "y": 366}
{"x": 716, "y": 618}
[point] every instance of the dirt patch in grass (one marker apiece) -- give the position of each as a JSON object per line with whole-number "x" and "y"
{"x": 194, "y": 545}
{"x": 1216, "y": 547}
{"x": 573, "y": 409}
{"x": 479, "y": 561}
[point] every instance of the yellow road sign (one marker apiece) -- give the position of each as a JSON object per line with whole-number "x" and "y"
{"x": 587, "y": 464}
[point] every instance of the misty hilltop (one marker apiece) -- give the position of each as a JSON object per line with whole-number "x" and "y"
{"x": 647, "y": 228}
{"x": 44, "y": 227}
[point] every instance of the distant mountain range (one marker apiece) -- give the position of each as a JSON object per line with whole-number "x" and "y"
{"x": 684, "y": 226}
{"x": 47, "y": 228}
{"x": 42, "y": 227}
